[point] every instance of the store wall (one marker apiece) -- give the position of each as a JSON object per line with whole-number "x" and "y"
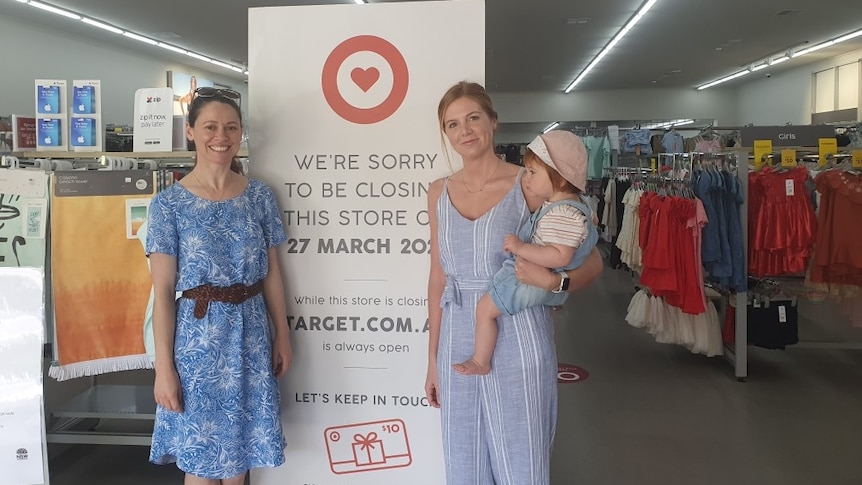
{"x": 785, "y": 97}
{"x": 631, "y": 104}
{"x": 32, "y": 52}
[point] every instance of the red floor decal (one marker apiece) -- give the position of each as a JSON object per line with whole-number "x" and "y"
{"x": 570, "y": 374}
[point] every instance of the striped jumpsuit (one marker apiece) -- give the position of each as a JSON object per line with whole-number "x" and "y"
{"x": 498, "y": 429}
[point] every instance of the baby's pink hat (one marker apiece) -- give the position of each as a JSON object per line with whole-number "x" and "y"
{"x": 564, "y": 152}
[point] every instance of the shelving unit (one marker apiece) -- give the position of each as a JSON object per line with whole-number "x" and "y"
{"x": 81, "y": 155}
{"x": 106, "y": 414}
{"x": 105, "y": 402}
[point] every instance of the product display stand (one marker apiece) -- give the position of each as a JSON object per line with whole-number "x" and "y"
{"x": 131, "y": 407}
{"x": 738, "y": 355}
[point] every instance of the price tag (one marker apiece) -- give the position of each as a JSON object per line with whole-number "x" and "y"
{"x": 782, "y": 314}
{"x": 789, "y": 188}
{"x": 761, "y": 148}
{"x": 652, "y": 164}
{"x": 857, "y": 159}
{"x": 828, "y": 146}
{"x": 788, "y": 157}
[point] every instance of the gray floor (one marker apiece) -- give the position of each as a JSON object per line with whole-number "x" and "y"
{"x": 651, "y": 413}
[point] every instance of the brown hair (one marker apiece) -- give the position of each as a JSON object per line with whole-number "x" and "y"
{"x": 195, "y": 109}
{"x": 465, "y": 89}
{"x": 531, "y": 160}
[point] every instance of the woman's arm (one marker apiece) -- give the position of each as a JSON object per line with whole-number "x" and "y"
{"x": 163, "y": 270}
{"x": 436, "y": 283}
{"x": 535, "y": 275}
{"x": 273, "y": 294}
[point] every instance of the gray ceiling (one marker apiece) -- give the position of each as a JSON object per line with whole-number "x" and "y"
{"x": 531, "y": 44}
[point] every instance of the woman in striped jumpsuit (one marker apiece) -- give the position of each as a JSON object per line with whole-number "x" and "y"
{"x": 498, "y": 429}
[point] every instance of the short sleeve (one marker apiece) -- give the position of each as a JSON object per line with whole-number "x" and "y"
{"x": 563, "y": 225}
{"x": 162, "y": 227}
{"x": 273, "y": 227}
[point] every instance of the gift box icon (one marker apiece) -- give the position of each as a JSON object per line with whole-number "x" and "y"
{"x": 368, "y": 450}
{"x": 363, "y": 447}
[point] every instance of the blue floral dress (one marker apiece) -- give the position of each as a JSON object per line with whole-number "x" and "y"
{"x": 231, "y": 411}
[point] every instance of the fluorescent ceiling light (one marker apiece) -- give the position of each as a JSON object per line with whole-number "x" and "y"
{"x": 198, "y": 56}
{"x": 94, "y": 23}
{"x": 634, "y": 20}
{"x": 132, "y": 35}
{"x": 172, "y": 48}
{"x": 811, "y": 49}
{"x": 141, "y": 38}
{"x": 359, "y": 2}
{"x": 849, "y": 36}
{"x": 724, "y": 79}
{"x": 785, "y": 57}
{"x": 221, "y": 64}
{"x": 668, "y": 124}
{"x": 551, "y": 126}
{"x": 53, "y": 9}
{"x": 676, "y": 123}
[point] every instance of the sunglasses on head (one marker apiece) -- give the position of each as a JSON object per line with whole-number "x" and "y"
{"x": 207, "y": 92}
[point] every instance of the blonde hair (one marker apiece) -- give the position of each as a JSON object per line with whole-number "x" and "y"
{"x": 463, "y": 89}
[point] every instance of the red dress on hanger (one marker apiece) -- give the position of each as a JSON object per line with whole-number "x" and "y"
{"x": 838, "y": 257}
{"x": 782, "y": 225}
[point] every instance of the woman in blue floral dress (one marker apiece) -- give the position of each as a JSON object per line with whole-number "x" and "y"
{"x": 213, "y": 236}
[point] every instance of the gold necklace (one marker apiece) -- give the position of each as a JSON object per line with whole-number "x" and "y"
{"x": 464, "y": 181}
{"x": 210, "y": 192}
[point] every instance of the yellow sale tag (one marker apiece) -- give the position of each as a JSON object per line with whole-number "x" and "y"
{"x": 652, "y": 164}
{"x": 761, "y": 148}
{"x": 828, "y": 146}
{"x": 788, "y": 157}
{"x": 857, "y": 159}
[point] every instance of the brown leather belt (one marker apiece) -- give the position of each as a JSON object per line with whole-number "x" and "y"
{"x": 236, "y": 294}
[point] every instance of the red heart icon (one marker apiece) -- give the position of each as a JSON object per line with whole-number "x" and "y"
{"x": 365, "y": 78}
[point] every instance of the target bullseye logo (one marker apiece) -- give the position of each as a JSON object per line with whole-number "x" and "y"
{"x": 365, "y": 77}
{"x": 570, "y": 374}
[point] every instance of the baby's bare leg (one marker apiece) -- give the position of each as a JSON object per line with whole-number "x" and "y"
{"x": 486, "y": 339}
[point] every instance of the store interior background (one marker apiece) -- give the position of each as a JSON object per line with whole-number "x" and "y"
{"x": 534, "y": 49}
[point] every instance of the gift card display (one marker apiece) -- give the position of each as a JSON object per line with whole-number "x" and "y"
{"x": 83, "y": 99}
{"x": 83, "y": 132}
{"x": 363, "y": 447}
{"x": 48, "y": 99}
{"x": 48, "y": 132}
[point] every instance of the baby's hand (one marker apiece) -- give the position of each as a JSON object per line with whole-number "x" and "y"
{"x": 512, "y": 244}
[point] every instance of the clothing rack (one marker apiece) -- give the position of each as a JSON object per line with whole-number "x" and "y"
{"x": 804, "y": 154}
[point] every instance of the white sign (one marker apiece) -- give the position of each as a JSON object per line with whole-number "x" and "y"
{"x": 85, "y": 123}
{"x": 344, "y": 129}
{"x": 22, "y": 427}
{"x": 51, "y": 119}
{"x": 154, "y": 120}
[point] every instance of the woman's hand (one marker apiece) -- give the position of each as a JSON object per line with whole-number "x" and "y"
{"x": 167, "y": 391}
{"x": 512, "y": 244}
{"x": 282, "y": 355}
{"x": 431, "y": 387}
{"x": 534, "y": 275}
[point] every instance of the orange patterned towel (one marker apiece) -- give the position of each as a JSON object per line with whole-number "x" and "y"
{"x": 99, "y": 272}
